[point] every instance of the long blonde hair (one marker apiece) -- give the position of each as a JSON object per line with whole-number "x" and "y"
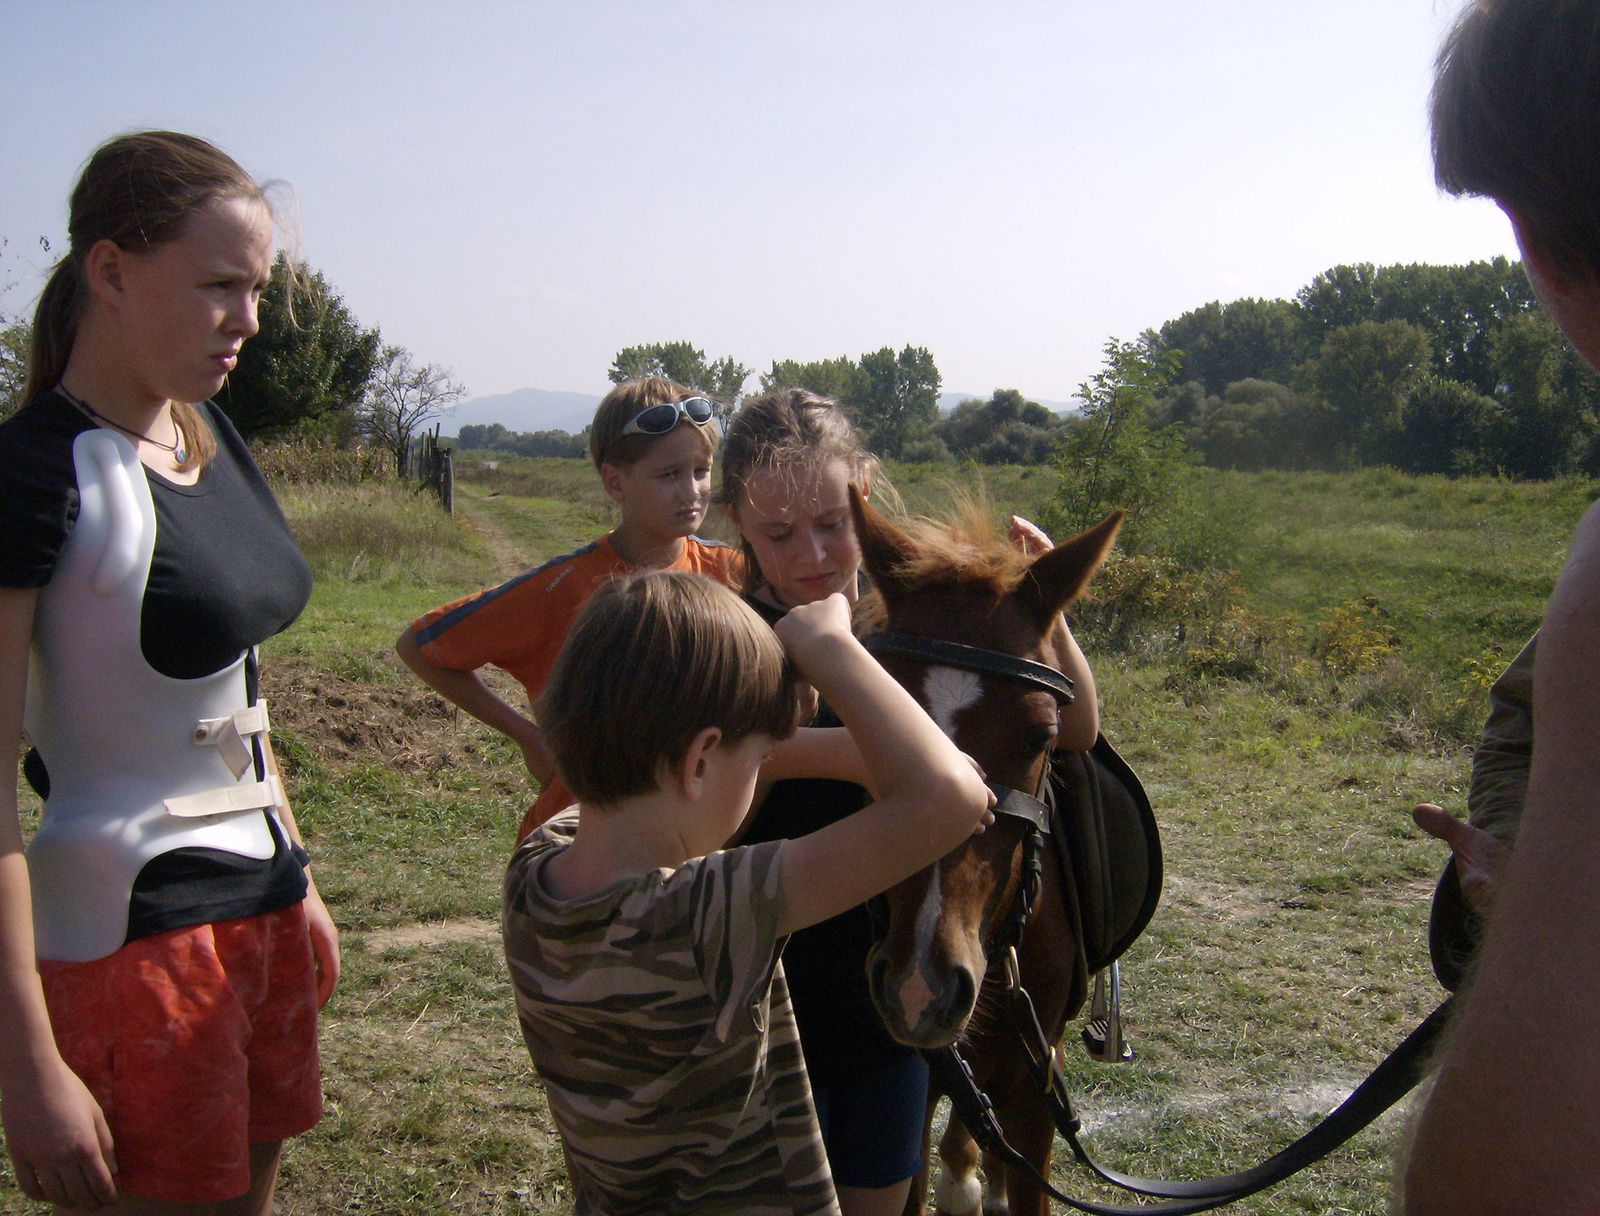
{"x": 137, "y": 191}
{"x": 789, "y": 429}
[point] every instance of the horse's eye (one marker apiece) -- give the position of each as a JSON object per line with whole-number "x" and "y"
{"x": 1042, "y": 742}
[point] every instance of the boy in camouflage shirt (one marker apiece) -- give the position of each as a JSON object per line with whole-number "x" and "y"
{"x": 644, "y": 955}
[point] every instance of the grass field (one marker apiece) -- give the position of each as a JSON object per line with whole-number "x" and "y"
{"x": 1288, "y": 954}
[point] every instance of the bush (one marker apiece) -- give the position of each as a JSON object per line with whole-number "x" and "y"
{"x": 1151, "y": 601}
{"x": 307, "y": 464}
{"x": 378, "y": 532}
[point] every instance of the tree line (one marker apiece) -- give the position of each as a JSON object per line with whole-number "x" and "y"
{"x": 893, "y": 396}
{"x": 1430, "y": 369}
{"x": 312, "y": 373}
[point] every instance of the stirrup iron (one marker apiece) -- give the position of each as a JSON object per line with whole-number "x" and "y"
{"x": 1102, "y": 1037}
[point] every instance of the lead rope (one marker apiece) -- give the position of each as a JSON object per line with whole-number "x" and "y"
{"x": 1388, "y": 1083}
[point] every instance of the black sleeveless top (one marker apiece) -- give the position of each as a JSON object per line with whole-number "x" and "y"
{"x": 225, "y": 576}
{"x": 826, "y": 963}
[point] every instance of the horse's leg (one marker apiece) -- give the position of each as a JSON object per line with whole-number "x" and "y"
{"x": 994, "y": 1177}
{"x": 1031, "y": 1131}
{"x": 958, "y": 1192}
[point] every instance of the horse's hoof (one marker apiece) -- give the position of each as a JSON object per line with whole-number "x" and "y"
{"x": 958, "y": 1197}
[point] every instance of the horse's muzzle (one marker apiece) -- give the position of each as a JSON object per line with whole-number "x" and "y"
{"x": 921, "y": 1005}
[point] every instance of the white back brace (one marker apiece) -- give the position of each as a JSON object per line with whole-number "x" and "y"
{"x": 140, "y": 763}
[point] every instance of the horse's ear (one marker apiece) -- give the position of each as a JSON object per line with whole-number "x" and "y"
{"x": 1061, "y": 575}
{"x": 885, "y": 550}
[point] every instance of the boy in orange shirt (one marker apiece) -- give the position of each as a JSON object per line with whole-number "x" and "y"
{"x": 652, "y": 442}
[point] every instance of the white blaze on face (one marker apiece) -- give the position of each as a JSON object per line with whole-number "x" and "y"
{"x": 949, "y": 691}
{"x": 915, "y": 995}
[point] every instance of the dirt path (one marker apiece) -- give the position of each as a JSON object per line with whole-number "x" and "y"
{"x": 433, "y": 933}
{"x": 508, "y": 555}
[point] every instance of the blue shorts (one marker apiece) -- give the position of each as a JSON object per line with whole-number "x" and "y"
{"x": 872, "y": 1119}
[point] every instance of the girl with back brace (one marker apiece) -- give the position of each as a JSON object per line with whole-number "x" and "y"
{"x": 163, "y": 1045}
{"x": 787, "y": 462}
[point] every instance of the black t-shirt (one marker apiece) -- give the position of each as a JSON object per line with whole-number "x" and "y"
{"x": 225, "y": 576}
{"x": 826, "y": 963}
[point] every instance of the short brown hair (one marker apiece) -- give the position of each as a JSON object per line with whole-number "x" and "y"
{"x": 652, "y": 660}
{"x": 1516, "y": 118}
{"x": 607, "y": 443}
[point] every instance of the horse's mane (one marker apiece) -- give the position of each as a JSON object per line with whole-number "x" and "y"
{"x": 962, "y": 548}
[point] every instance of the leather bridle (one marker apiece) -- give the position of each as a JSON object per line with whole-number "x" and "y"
{"x": 1387, "y": 1084}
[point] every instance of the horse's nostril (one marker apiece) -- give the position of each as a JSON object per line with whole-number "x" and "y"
{"x": 961, "y": 996}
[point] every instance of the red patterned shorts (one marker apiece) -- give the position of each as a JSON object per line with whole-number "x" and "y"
{"x": 197, "y": 1043}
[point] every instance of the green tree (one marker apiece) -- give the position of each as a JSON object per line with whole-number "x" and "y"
{"x": 896, "y": 399}
{"x": 838, "y": 378}
{"x": 722, "y": 380}
{"x": 1363, "y": 373}
{"x": 1255, "y": 424}
{"x": 15, "y": 337}
{"x": 1442, "y": 428}
{"x": 1113, "y": 458}
{"x": 1458, "y": 307}
{"x": 1006, "y": 429}
{"x": 307, "y": 364}
{"x": 1246, "y": 339}
{"x": 1536, "y": 431}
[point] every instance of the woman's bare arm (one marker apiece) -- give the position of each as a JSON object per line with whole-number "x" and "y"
{"x": 58, "y": 1140}
{"x": 1080, "y": 721}
{"x": 319, "y": 922}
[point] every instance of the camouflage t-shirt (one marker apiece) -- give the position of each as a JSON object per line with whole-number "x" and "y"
{"x": 657, "y": 1015}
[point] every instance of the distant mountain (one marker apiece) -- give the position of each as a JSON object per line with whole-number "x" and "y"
{"x": 525, "y": 409}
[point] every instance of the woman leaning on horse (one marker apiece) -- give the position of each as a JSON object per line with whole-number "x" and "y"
{"x": 163, "y": 952}
{"x": 787, "y": 464}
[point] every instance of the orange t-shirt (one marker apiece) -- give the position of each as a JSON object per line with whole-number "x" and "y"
{"x": 520, "y": 625}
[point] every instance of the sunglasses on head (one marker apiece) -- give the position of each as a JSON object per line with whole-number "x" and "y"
{"x": 659, "y": 419}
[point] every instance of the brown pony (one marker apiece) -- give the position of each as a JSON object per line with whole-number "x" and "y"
{"x": 959, "y": 582}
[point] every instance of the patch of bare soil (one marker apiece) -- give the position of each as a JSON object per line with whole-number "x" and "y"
{"x": 405, "y": 726}
{"x": 435, "y": 933}
{"x": 1214, "y": 903}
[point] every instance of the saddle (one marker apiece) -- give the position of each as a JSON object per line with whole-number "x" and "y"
{"x": 1110, "y": 853}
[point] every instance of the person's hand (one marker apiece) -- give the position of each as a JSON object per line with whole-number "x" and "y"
{"x": 57, "y": 1137}
{"x": 803, "y": 629}
{"x": 324, "y": 943}
{"x": 541, "y": 764}
{"x": 1480, "y": 858}
{"x": 1028, "y": 536}
{"x": 988, "y": 816}
{"x": 809, "y": 702}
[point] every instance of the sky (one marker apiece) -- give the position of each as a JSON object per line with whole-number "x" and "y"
{"x": 518, "y": 190}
